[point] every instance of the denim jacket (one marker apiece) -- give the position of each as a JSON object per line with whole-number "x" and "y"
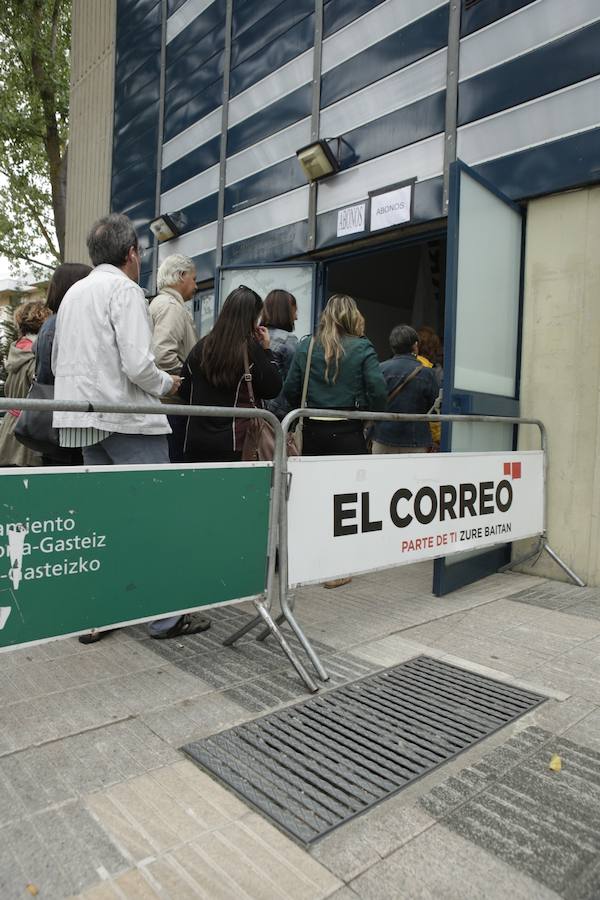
{"x": 417, "y": 396}
{"x": 283, "y": 346}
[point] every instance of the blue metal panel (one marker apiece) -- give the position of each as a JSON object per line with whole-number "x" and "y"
{"x": 481, "y": 14}
{"x": 184, "y": 88}
{"x": 427, "y": 206}
{"x": 143, "y": 107}
{"x": 277, "y": 179}
{"x": 133, "y": 12}
{"x": 128, "y": 192}
{"x": 245, "y": 15}
{"x": 270, "y": 27}
{"x": 130, "y": 124}
{"x": 555, "y": 166}
{"x": 142, "y": 43}
{"x": 186, "y": 65}
{"x": 400, "y": 128}
{"x": 268, "y": 59}
{"x": 173, "y": 6}
{"x": 281, "y": 243}
{"x": 191, "y": 164}
{"x": 186, "y": 40}
{"x": 135, "y": 148}
{"x": 143, "y": 15}
{"x": 179, "y": 119}
{"x": 337, "y": 13}
{"x": 568, "y": 60}
{"x": 419, "y": 39}
{"x": 273, "y": 118}
{"x": 201, "y": 212}
{"x": 205, "y": 266}
{"x": 149, "y": 71}
{"x": 134, "y": 173}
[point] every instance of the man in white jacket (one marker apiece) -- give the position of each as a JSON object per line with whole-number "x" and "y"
{"x": 102, "y": 354}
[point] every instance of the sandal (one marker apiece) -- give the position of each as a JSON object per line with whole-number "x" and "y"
{"x": 187, "y": 625}
{"x": 337, "y": 582}
{"x": 93, "y": 636}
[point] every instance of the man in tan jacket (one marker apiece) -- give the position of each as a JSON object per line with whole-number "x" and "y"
{"x": 174, "y": 331}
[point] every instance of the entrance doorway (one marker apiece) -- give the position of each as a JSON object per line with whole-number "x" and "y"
{"x": 403, "y": 284}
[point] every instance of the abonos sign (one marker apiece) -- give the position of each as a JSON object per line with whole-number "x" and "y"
{"x": 355, "y": 514}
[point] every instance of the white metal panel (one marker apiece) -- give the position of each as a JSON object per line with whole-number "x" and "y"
{"x": 275, "y": 213}
{"x": 182, "y": 17}
{"x": 418, "y": 80}
{"x": 275, "y": 86}
{"x": 522, "y": 31}
{"x": 189, "y": 191}
{"x": 373, "y": 27}
{"x": 267, "y": 153}
{"x": 422, "y": 160}
{"x": 201, "y": 240}
{"x": 568, "y": 111}
{"x": 194, "y": 136}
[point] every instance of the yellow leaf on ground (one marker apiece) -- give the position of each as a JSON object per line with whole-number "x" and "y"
{"x": 555, "y": 763}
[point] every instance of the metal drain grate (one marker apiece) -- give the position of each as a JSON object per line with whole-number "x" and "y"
{"x": 313, "y": 766}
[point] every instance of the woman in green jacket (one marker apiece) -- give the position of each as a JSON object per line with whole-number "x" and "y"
{"x": 344, "y": 374}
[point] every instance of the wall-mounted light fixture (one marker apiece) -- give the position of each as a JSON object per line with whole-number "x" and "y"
{"x": 317, "y": 160}
{"x": 167, "y": 226}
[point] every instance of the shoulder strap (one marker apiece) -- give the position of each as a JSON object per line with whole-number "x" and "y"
{"x": 307, "y": 373}
{"x": 248, "y": 376}
{"x": 393, "y": 394}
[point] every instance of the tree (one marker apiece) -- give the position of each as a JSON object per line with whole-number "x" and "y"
{"x": 34, "y": 107}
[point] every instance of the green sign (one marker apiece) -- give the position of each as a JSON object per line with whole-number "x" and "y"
{"x": 81, "y": 550}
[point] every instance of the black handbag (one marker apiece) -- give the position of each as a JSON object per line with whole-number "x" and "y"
{"x": 34, "y": 426}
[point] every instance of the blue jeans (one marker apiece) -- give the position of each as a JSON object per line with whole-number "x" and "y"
{"x": 133, "y": 449}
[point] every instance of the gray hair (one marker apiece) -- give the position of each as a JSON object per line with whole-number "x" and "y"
{"x": 110, "y": 239}
{"x": 173, "y": 269}
{"x": 403, "y": 338}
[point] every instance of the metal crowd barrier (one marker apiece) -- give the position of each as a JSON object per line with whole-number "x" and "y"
{"x": 286, "y": 599}
{"x": 264, "y": 604}
{"x": 277, "y": 545}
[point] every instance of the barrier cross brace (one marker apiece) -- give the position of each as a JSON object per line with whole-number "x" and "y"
{"x": 286, "y": 599}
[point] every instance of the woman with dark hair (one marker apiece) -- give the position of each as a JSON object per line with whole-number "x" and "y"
{"x": 213, "y": 375}
{"x": 63, "y": 278}
{"x": 279, "y": 316}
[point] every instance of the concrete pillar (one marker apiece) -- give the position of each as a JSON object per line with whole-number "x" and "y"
{"x": 560, "y": 376}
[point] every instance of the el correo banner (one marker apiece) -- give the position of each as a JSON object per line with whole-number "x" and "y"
{"x": 348, "y": 515}
{"x": 82, "y": 549}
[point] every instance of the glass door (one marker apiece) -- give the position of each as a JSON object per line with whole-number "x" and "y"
{"x": 300, "y": 279}
{"x": 481, "y": 339}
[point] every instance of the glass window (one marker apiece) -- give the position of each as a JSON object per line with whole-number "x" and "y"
{"x": 298, "y": 280}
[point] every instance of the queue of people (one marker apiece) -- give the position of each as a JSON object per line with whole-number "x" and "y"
{"x": 99, "y": 341}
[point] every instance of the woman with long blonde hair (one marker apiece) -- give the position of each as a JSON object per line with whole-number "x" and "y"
{"x": 344, "y": 374}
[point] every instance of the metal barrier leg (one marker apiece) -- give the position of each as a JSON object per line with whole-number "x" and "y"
{"x": 523, "y": 559}
{"x": 574, "y": 578}
{"x": 231, "y": 640}
{"x": 265, "y": 632}
{"x": 274, "y": 629}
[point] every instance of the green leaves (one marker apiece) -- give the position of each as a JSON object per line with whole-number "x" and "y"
{"x": 34, "y": 106}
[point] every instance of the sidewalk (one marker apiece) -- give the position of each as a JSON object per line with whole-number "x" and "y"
{"x": 98, "y": 801}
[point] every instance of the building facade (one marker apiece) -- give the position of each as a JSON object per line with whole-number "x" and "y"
{"x": 198, "y": 107}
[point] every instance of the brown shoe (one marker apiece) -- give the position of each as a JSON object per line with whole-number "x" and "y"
{"x": 337, "y": 582}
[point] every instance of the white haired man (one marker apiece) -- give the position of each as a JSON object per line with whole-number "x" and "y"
{"x": 174, "y": 331}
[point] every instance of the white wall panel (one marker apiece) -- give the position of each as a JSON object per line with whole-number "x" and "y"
{"x": 194, "y": 136}
{"x": 190, "y": 191}
{"x": 275, "y": 86}
{"x": 418, "y": 80}
{"x": 373, "y": 27}
{"x": 283, "y": 210}
{"x": 422, "y": 160}
{"x": 201, "y": 240}
{"x": 267, "y": 153}
{"x": 186, "y": 14}
{"x": 573, "y": 109}
{"x": 525, "y": 29}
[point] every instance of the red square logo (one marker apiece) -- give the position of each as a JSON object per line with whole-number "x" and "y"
{"x": 507, "y": 468}
{"x": 516, "y": 470}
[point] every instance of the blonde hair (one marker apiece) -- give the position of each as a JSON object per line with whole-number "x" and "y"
{"x": 340, "y": 317}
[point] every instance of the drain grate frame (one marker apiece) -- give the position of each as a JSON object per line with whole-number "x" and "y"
{"x": 316, "y": 765}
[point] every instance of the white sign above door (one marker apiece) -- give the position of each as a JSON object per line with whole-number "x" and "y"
{"x": 351, "y": 219}
{"x": 391, "y": 207}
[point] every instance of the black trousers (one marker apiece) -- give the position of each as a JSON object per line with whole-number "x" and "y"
{"x": 177, "y": 438}
{"x": 333, "y": 438}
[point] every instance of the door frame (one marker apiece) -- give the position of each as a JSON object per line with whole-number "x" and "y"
{"x": 473, "y": 402}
